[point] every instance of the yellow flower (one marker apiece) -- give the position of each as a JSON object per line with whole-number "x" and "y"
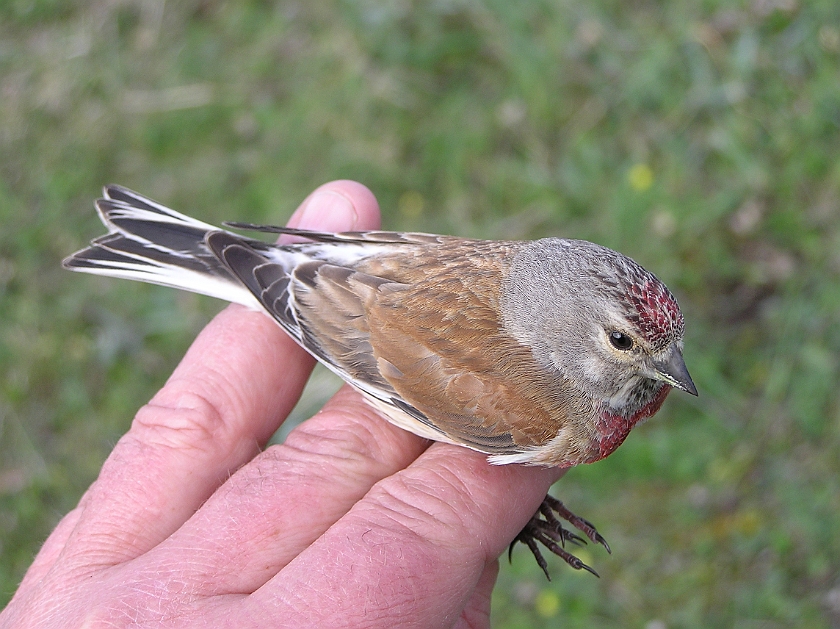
{"x": 547, "y": 603}
{"x": 640, "y": 177}
{"x": 411, "y": 204}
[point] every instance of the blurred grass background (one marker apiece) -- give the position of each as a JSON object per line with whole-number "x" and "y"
{"x": 701, "y": 138}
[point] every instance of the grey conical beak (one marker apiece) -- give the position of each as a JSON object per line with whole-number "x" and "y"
{"x": 670, "y": 367}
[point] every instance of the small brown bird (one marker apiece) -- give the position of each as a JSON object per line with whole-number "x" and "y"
{"x": 543, "y": 353}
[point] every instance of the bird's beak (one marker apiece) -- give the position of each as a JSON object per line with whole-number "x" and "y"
{"x": 670, "y": 367}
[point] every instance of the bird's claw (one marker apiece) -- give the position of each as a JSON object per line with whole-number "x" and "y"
{"x": 545, "y": 528}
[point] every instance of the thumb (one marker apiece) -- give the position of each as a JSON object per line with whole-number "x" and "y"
{"x": 341, "y": 205}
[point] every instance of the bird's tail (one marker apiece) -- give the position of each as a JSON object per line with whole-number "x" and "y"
{"x": 151, "y": 243}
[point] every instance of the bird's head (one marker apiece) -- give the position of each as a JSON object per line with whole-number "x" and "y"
{"x": 599, "y": 320}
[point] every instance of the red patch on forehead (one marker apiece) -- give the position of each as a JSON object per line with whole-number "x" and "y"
{"x": 659, "y": 318}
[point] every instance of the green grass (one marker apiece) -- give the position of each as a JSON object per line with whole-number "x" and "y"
{"x": 702, "y": 139}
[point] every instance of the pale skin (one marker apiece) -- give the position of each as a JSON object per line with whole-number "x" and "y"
{"x": 351, "y": 522}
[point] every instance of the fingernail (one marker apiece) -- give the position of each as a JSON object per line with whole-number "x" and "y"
{"x": 328, "y": 211}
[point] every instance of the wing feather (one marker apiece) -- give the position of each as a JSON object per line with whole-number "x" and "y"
{"x": 411, "y": 332}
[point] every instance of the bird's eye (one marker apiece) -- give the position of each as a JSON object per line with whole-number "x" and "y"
{"x": 620, "y": 340}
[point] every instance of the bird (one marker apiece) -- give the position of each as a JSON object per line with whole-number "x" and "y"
{"x": 544, "y": 352}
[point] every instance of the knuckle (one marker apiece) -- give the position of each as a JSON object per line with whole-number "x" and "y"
{"x": 191, "y": 421}
{"x": 430, "y": 502}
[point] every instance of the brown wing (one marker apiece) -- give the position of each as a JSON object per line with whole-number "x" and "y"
{"x": 331, "y": 304}
{"x": 440, "y": 344}
{"x": 419, "y": 331}
{"x": 435, "y": 338}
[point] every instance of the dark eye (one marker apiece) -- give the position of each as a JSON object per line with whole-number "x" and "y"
{"x": 621, "y": 341}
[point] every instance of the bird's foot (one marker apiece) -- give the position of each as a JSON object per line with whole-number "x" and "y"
{"x": 545, "y": 528}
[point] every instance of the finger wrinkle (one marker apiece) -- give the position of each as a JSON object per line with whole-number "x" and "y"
{"x": 149, "y": 599}
{"x": 96, "y": 551}
{"x": 284, "y": 476}
{"x": 214, "y": 390}
{"x": 273, "y": 472}
{"x": 344, "y": 444}
{"x": 349, "y": 431}
{"x": 372, "y": 435}
{"x": 374, "y": 576}
{"x": 425, "y": 507}
{"x": 444, "y": 504}
{"x": 296, "y": 463}
{"x": 188, "y": 421}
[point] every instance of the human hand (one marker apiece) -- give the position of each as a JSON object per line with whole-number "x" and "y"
{"x": 351, "y": 522}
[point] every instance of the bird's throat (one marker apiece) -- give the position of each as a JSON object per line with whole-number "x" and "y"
{"x": 614, "y": 427}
